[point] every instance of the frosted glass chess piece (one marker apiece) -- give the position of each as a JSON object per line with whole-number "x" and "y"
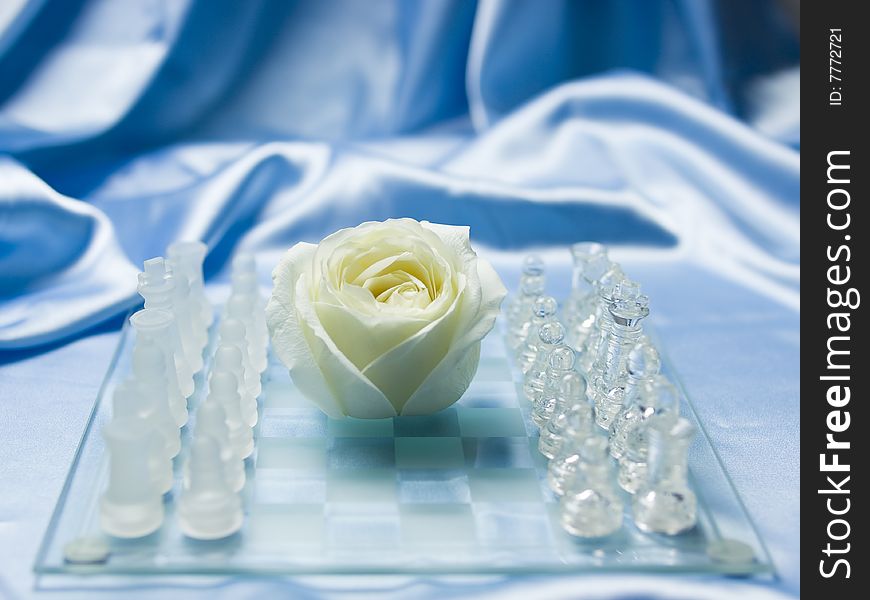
{"x": 241, "y": 307}
{"x": 150, "y": 369}
{"x": 533, "y": 267}
{"x": 590, "y": 263}
{"x": 132, "y": 409}
{"x": 530, "y": 289}
{"x": 157, "y": 326}
{"x": 610, "y": 373}
{"x": 188, "y": 256}
{"x": 591, "y": 505}
{"x": 211, "y": 421}
{"x": 162, "y": 290}
{"x": 246, "y": 285}
{"x": 132, "y": 505}
{"x": 224, "y": 388}
{"x": 578, "y": 427}
{"x": 560, "y": 363}
{"x": 157, "y": 288}
{"x": 232, "y": 332}
{"x": 550, "y": 336}
{"x": 244, "y": 262}
{"x": 193, "y": 330}
{"x": 571, "y": 404}
{"x": 667, "y": 504}
{"x": 208, "y": 508}
{"x": 601, "y": 301}
{"x": 228, "y": 358}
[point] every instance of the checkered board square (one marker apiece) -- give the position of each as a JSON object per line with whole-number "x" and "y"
{"x": 468, "y": 479}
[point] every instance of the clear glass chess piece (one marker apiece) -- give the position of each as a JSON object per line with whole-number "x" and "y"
{"x": 530, "y": 289}
{"x": 532, "y": 268}
{"x": 550, "y": 335}
{"x": 643, "y": 366}
{"x": 591, "y": 505}
{"x": 667, "y": 504}
{"x": 610, "y": 374}
{"x": 579, "y": 426}
{"x": 571, "y": 404}
{"x": 543, "y": 312}
{"x": 634, "y": 462}
{"x": 590, "y": 263}
{"x": 600, "y": 302}
{"x": 560, "y": 363}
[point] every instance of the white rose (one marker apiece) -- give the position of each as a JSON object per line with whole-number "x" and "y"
{"x": 383, "y": 319}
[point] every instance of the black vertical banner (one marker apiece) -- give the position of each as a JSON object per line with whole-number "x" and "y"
{"x": 835, "y": 169}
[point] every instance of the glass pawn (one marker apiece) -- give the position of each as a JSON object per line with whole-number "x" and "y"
{"x": 570, "y": 400}
{"x": 667, "y": 504}
{"x": 211, "y": 421}
{"x": 578, "y": 427}
{"x": 560, "y": 363}
{"x": 643, "y": 366}
{"x": 232, "y": 332}
{"x": 533, "y": 266}
{"x": 543, "y": 312}
{"x": 591, "y": 505}
{"x": 208, "y": 508}
{"x": 229, "y": 358}
{"x": 531, "y": 288}
{"x": 550, "y": 336}
{"x": 224, "y": 388}
{"x": 246, "y": 285}
{"x": 634, "y": 462}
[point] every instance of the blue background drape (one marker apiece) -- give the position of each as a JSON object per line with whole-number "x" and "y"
{"x": 669, "y": 129}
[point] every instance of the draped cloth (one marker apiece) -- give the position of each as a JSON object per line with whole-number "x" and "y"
{"x": 668, "y": 129}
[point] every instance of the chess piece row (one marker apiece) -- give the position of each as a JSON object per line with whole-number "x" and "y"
{"x": 591, "y": 370}
{"x": 150, "y": 408}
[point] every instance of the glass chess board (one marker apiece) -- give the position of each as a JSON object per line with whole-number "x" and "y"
{"x": 461, "y": 491}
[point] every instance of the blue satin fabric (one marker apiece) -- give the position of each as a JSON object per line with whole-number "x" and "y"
{"x": 667, "y": 128}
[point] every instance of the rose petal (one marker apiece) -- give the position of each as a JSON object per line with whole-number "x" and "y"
{"x": 452, "y": 376}
{"x": 319, "y": 369}
{"x": 402, "y": 369}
